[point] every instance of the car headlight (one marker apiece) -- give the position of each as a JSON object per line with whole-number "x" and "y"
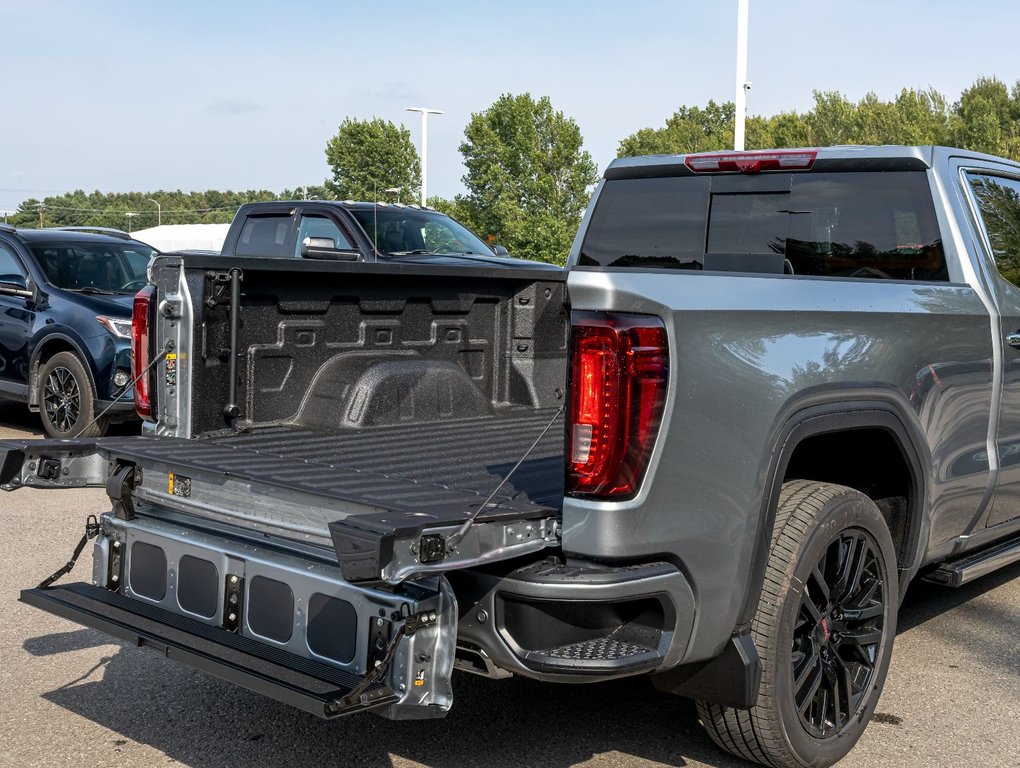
{"x": 118, "y": 326}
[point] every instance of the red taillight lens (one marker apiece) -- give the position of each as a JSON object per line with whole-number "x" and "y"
{"x": 140, "y": 312}
{"x": 751, "y": 162}
{"x": 619, "y": 374}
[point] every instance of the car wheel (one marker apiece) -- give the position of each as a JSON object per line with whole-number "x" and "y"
{"x": 824, "y": 630}
{"x": 66, "y": 399}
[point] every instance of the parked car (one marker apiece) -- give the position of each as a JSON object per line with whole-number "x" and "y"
{"x": 65, "y": 328}
{"x": 358, "y": 231}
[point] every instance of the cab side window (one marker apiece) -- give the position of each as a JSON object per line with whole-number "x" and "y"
{"x": 320, "y": 226}
{"x": 264, "y": 236}
{"x": 998, "y": 201}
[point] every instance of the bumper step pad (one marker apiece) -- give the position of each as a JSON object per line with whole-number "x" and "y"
{"x": 308, "y": 685}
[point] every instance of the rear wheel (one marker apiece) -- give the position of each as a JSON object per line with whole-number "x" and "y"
{"x": 824, "y": 629}
{"x": 66, "y": 399}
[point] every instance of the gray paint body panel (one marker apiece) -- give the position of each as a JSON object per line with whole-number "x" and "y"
{"x": 745, "y": 350}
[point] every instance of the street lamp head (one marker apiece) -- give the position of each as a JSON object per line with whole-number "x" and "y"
{"x": 425, "y": 110}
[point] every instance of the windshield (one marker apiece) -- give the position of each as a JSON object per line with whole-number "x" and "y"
{"x": 95, "y": 267}
{"x": 406, "y": 231}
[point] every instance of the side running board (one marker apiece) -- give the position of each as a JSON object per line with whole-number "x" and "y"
{"x": 956, "y": 573}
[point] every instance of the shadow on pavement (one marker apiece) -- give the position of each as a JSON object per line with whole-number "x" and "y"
{"x": 202, "y": 722}
{"x": 925, "y": 602}
{"x": 63, "y": 642}
{"x": 16, "y": 418}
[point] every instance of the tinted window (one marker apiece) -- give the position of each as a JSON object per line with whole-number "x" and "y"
{"x": 264, "y": 236}
{"x": 874, "y": 225}
{"x": 320, "y": 226}
{"x": 9, "y": 263}
{"x": 405, "y": 231}
{"x": 998, "y": 200}
{"x": 91, "y": 266}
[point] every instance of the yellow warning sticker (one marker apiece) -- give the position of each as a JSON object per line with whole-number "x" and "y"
{"x": 170, "y": 484}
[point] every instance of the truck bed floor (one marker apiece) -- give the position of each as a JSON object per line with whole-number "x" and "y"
{"x": 445, "y": 468}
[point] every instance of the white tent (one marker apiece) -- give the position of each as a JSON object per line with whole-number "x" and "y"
{"x": 179, "y": 237}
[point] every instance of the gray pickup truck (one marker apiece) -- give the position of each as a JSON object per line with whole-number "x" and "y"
{"x": 770, "y": 390}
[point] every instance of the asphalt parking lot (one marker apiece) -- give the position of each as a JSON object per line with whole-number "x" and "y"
{"x": 72, "y": 697}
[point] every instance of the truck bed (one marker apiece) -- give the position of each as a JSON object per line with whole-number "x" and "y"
{"x": 440, "y": 469}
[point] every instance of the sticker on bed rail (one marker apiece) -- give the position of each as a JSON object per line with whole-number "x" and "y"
{"x": 171, "y": 370}
{"x": 178, "y": 485}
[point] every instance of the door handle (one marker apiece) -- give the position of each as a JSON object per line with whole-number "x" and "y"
{"x": 1014, "y": 340}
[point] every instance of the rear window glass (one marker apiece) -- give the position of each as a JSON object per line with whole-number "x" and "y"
{"x": 874, "y": 225}
{"x": 265, "y": 236}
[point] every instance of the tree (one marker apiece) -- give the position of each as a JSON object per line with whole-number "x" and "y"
{"x": 528, "y": 178}
{"x": 689, "y": 129}
{"x": 369, "y": 156}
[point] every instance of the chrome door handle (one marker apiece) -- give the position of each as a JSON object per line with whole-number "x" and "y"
{"x": 1014, "y": 340}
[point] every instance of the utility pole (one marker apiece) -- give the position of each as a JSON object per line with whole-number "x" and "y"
{"x": 425, "y": 112}
{"x": 41, "y": 206}
{"x": 742, "y": 85}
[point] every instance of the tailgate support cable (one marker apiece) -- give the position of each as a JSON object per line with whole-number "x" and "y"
{"x": 129, "y": 387}
{"x": 460, "y": 533}
{"x": 91, "y": 531}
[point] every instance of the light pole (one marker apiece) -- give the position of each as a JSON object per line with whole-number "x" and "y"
{"x": 740, "y": 102}
{"x": 130, "y": 216}
{"x": 394, "y": 191}
{"x": 425, "y": 112}
{"x": 159, "y": 212}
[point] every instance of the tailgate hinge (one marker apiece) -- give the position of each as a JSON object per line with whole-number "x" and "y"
{"x": 122, "y": 481}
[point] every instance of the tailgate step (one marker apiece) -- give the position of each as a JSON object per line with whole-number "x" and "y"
{"x": 621, "y": 651}
{"x": 302, "y": 683}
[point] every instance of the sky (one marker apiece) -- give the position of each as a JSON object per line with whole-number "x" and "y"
{"x": 138, "y": 96}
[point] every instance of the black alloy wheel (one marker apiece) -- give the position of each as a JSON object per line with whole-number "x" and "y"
{"x": 66, "y": 399}
{"x": 61, "y": 399}
{"x": 838, "y": 632}
{"x": 824, "y": 629}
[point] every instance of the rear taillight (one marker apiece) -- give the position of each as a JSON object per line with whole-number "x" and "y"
{"x": 140, "y": 313}
{"x": 619, "y": 374}
{"x": 751, "y": 162}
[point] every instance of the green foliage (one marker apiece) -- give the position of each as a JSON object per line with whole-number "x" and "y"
{"x": 986, "y": 118}
{"x": 528, "y": 178}
{"x": 98, "y": 209}
{"x": 690, "y": 129}
{"x": 369, "y": 156}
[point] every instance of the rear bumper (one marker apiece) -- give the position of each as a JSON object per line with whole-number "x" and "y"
{"x": 119, "y": 410}
{"x": 574, "y": 623}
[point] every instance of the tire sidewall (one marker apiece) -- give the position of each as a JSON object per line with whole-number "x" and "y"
{"x": 86, "y": 411}
{"x": 851, "y": 510}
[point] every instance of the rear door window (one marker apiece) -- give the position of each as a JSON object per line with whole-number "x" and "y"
{"x": 265, "y": 236}
{"x": 878, "y": 225}
{"x": 998, "y": 200}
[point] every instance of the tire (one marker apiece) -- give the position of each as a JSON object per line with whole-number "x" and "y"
{"x": 67, "y": 400}
{"x": 823, "y": 532}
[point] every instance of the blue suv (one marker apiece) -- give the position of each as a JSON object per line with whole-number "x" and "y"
{"x": 65, "y": 324}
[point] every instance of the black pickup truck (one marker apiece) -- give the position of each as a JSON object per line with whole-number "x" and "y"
{"x": 357, "y": 231}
